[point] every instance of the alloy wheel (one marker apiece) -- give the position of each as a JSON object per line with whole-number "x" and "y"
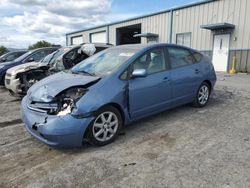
{"x": 105, "y": 126}
{"x": 203, "y": 95}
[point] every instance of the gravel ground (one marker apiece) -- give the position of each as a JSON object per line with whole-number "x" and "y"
{"x": 183, "y": 147}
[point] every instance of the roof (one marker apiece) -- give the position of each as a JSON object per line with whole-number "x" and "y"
{"x": 217, "y": 26}
{"x": 147, "y": 15}
{"x": 132, "y": 46}
{"x": 142, "y": 46}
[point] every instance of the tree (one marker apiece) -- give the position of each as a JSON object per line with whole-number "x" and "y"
{"x": 40, "y": 44}
{"x": 3, "y": 50}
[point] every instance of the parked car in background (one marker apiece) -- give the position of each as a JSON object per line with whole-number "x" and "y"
{"x": 20, "y": 78}
{"x": 113, "y": 88}
{"x": 33, "y": 55}
{"x": 11, "y": 56}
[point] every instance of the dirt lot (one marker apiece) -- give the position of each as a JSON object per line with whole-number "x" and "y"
{"x": 183, "y": 147}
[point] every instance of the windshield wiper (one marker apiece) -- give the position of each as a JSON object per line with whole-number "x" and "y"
{"x": 84, "y": 72}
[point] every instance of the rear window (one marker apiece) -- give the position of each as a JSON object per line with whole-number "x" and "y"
{"x": 180, "y": 57}
{"x": 197, "y": 56}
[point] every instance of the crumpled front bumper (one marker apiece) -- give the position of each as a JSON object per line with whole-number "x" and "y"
{"x": 57, "y": 131}
{"x": 12, "y": 83}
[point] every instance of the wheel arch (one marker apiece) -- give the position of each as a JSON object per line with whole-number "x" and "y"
{"x": 209, "y": 84}
{"x": 117, "y": 106}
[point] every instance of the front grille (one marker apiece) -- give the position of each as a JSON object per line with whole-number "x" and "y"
{"x": 7, "y": 81}
{"x": 42, "y": 107}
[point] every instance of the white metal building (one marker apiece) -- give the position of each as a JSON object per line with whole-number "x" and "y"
{"x": 219, "y": 28}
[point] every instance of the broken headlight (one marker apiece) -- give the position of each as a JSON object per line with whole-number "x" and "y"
{"x": 67, "y": 101}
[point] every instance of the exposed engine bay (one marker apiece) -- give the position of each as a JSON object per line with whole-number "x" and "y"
{"x": 63, "y": 103}
{"x": 27, "y": 79}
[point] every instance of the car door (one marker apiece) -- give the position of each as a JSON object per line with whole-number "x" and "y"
{"x": 150, "y": 94}
{"x": 185, "y": 74}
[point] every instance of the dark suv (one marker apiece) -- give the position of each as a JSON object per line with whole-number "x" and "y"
{"x": 33, "y": 55}
{"x": 11, "y": 56}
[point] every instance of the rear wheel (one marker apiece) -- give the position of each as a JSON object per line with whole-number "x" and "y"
{"x": 202, "y": 96}
{"x": 105, "y": 127}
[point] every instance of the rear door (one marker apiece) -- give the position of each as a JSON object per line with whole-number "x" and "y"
{"x": 185, "y": 73}
{"x": 152, "y": 93}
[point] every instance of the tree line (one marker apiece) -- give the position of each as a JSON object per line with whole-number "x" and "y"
{"x": 39, "y": 44}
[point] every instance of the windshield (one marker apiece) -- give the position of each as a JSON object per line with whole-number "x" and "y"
{"x": 104, "y": 62}
{"x": 46, "y": 60}
{"x": 2, "y": 56}
{"x": 22, "y": 57}
{"x": 57, "y": 54}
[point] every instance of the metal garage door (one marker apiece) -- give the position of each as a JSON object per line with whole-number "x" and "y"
{"x": 99, "y": 37}
{"x": 76, "y": 40}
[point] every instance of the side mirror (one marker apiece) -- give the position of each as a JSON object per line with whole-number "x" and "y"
{"x": 31, "y": 59}
{"x": 139, "y": 73}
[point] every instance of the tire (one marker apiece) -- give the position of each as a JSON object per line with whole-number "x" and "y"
{"x": 105, "y": 127}
{"x": 202, "y": 96}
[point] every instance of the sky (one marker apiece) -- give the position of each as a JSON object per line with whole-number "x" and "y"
{"x": 24, "y": 22}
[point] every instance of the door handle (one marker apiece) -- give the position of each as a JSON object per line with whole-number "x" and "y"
{"x": 197, "y": 71}
{"x": 166, "y": 79}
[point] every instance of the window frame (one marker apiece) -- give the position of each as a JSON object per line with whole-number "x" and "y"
{"x": 166, "y": 59}
{"x": 183, "y": 34}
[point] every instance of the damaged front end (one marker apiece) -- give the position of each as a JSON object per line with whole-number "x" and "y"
{"x": 62, "y": 104}
{"x": 51, "y": 118}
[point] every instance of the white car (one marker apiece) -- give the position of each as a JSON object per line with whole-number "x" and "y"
{"x": 20, "y": 78}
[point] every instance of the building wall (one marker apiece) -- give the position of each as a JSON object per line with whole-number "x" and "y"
{"x": 231, "y": 11}
{"x": 85, "y": 34}
{"x": 158, "y": 24}
{"x": 190, "y": 19}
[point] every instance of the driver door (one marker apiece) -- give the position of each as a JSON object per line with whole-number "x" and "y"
{"x": 150, "y": 94}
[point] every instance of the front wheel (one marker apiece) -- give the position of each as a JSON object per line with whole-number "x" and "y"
{"x": 202, "y": 96}
{"x": 105, "y": 127}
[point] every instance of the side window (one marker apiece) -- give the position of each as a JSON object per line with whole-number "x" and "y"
{"x": 11, "y": 57}
{"x": 47, "y": 52}
{"x": 153, "y": 61}
{"x": 180, "y": 57}
{"x": 124, "y": 75}
{"x": 197, "y": 56}
{"x": 18, "y": 54}
{"x": 38, "y": 55}
{"x": 72, "y": 54}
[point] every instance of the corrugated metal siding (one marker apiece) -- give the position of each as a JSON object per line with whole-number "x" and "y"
{"x": 242, "y": 60}
{"x": 190, "y": 19}
{"x": 158, "y": 24}
{"x": 85, "y": 35}
{"x": 232, "y": 11}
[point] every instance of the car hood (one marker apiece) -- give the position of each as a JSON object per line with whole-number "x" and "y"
{"x": 46, "y": 89}
{"x": 7, "y": 63}
{"x": 23, "y": 67}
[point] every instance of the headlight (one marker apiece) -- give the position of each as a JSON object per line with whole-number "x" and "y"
{"x": 67, "y": 107}
{"x": 69, "y": 99}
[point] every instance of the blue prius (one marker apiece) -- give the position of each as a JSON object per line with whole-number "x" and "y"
{"x": 113, "y": 88}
